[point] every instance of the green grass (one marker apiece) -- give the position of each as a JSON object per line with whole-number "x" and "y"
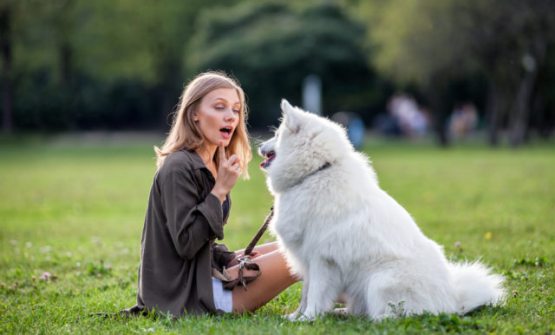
{"x": 74, "y": 207}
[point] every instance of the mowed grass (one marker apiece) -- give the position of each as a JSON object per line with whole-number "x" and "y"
{"x": 74, "y": 208}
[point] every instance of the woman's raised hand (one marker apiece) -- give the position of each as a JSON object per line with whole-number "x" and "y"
{"x": 229, "y": 170}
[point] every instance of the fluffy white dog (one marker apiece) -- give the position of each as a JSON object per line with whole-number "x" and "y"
{"x": 348, "y": 238}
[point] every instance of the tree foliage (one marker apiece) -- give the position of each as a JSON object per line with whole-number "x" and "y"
{"x": 89, "y": 64}
{"x": 433, "y": 42}
{"x": 77, "y": 64}
{"x": 271, "y": 47}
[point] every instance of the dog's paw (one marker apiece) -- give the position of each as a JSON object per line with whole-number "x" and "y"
{"x": 305, "y": 318}
{"x": 340, "y": 311}
{"x": 292, "y": 316}
{"x": 297, "y": 316}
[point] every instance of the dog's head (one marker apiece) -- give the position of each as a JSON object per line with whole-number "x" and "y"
{"x": 302, "y": 144}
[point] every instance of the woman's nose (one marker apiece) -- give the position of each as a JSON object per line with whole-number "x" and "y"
{"x": 230, "y": 115}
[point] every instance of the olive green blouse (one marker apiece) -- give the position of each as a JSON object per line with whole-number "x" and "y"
{"x": 182, "y": 221}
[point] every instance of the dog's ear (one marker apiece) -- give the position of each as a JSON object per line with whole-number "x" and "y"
{"x": 290, "y": 116}
{"x": 285, "y": 105}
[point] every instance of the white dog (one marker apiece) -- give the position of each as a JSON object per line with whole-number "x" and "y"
{"x": 347, "y": 237}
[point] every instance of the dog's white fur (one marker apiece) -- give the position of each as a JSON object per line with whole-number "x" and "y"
{"x": 347, "y": 237}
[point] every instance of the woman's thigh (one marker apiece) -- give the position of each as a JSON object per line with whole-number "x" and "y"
{"x": 274, "y": 278}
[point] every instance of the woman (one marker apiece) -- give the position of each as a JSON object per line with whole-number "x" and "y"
{"x": 205, "y": 152}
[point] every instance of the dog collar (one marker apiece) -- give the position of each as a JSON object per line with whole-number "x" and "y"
{"x": 320, "y": 169}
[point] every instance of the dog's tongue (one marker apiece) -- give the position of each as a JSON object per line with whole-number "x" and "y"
{"x": 264, "y": 163}
{"x": 268, "y": 160}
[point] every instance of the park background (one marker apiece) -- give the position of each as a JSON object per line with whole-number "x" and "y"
{"x": 457, "y": 99}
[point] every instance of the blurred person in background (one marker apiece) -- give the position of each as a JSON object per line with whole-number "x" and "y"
{"x": 412, "y": 121}
{"x": 404, "y": 118}
{"x": 463, "y": 121}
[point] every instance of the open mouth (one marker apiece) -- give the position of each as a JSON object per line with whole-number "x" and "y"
{"x": 226, "y": 132}
{"x": 268, "y": 158}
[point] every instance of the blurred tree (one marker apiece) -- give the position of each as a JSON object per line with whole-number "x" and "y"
{"x": 103, "y": 63}
{"x": 45, "y": 67}
{"x": 543, "y": 115}
{"x": 271, "y": 47}
{"x": 433, "y": 42}
{"x": 6, "y": 13}
{"x": 127, "y": 41}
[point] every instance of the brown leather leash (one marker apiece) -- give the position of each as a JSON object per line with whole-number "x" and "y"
{"x": 245, "y": 261}
{"x": 261, "y": 230}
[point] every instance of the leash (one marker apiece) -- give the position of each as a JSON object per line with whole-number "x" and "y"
{"x": 261, "y": 230}
{"x": 245, "y": 261}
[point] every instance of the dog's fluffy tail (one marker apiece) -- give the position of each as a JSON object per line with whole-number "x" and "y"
{"x": 476, "y": 285}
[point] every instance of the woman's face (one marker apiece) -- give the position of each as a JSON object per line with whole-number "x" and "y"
{"x": 218, "y": 116}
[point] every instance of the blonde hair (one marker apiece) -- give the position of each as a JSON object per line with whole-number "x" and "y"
{"x": 185, "y": 133}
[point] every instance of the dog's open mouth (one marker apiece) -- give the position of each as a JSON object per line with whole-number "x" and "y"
{"x": 268, "y": 158}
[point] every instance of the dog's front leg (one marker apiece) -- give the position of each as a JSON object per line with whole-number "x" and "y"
{"x": 302, "y": 306}
{"x": 323, "y": 289}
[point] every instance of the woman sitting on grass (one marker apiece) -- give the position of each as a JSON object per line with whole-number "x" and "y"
{"x": 205, "y": 152}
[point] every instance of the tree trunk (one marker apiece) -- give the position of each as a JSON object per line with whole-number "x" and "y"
{"x": 493, "y": 114}
{"x": 65, "y": 54}
{"x": 521, "y": 112}
{"x": 440, "y": 109}
{"x": 171, "y": 76}
{"x": 523, "y": 104}
{"x": 7, "y": 85}
{"x": 441, "y": 131}
{"x": 64, "y": 24}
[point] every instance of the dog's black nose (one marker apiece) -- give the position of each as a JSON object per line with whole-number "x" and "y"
{"x": 262, "y": 150}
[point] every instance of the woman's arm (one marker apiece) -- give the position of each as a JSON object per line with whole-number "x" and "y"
{"x": 191, "y": 221}
{"x": 222, "y": 257}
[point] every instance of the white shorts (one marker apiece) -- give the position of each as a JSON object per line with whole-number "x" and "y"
{"x": 223, "y": 299}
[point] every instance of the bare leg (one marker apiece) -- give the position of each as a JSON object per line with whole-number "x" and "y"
{"x": 262, "y": 249}
{"x": 274, "y": 278}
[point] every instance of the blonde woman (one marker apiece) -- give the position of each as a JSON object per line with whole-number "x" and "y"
{"x": 207, "y": 149}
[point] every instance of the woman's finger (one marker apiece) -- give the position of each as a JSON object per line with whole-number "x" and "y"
{"x": 221, "y": 154}
{"x": 235, "y": 165}
{"x": 233, "y": 159}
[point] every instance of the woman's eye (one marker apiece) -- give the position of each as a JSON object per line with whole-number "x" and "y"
{"x": 219, "y": 107}
{"x": 236, "y": 111}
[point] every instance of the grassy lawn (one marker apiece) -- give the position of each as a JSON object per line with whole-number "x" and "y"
{"x": 74, "y": 207}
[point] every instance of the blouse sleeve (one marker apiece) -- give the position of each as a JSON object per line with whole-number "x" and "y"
{"x": 191, "y": 221}
{"x": 221, "y": 256}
